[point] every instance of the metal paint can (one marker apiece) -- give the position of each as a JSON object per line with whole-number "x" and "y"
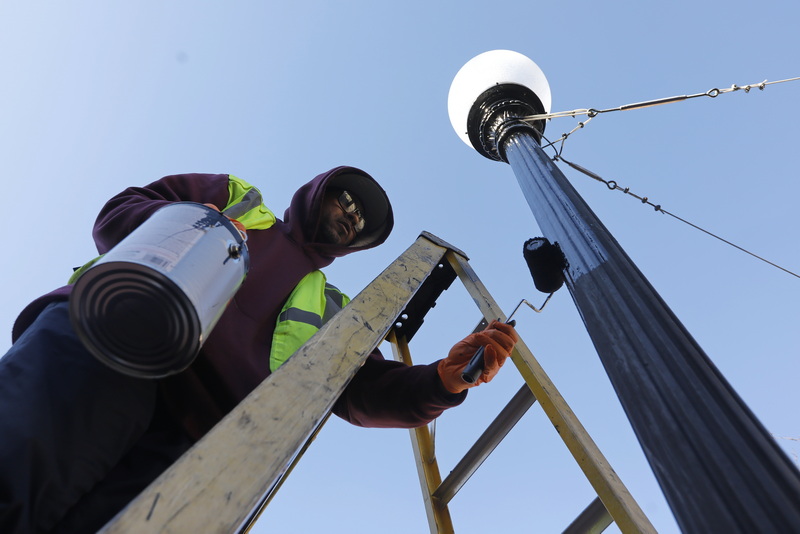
{"x": 148, "y": 305}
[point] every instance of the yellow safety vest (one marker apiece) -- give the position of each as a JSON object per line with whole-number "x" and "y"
{"x": 312, "y": 303}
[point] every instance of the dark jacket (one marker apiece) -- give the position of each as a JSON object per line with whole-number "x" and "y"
{"x": 235, "y": 358}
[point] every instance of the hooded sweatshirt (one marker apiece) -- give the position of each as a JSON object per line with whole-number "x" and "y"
{"x": 235, "y": 357}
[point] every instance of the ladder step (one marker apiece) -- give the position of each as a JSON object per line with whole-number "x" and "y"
{"x": 485, "y": 444}
{"x": 593, "y": 520}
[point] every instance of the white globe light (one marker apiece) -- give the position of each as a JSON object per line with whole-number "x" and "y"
{"x": 485, "y": 71}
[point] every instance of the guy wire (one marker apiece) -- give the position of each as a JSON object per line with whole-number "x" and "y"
{"x": 712, "y": 93}
{"x": 612, "y": 185}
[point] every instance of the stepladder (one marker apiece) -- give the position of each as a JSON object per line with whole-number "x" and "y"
{"x": 227, "y": 478}
{"x": 613, "y": 502}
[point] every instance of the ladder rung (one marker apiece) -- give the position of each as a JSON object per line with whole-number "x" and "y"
{"x": 593, "y": 520}
{"x": 485, "y": 444}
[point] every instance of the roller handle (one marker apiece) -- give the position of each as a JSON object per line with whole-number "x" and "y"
{"x": 474, "y": 368}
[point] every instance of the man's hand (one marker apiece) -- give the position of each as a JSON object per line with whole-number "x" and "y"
{"x": 498, "y": 340}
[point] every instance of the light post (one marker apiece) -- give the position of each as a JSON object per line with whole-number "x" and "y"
{"x": 718, "y": 467}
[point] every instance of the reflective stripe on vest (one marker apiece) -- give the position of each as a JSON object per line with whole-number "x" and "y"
{"x": 243, "y": 197}
{"x": 312, "y": 303}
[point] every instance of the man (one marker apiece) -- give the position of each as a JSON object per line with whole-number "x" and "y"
{"x": 80, "y": 440}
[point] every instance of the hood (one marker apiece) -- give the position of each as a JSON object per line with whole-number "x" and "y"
{"x": 304, "y": 212}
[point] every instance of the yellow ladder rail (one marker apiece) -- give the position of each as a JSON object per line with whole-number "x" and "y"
{"x": 425, "y": 456}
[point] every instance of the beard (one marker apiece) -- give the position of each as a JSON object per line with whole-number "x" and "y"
{"x": 332, "y": 232}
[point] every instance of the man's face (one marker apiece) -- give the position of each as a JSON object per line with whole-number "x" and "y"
{"x": 337, "y": 226}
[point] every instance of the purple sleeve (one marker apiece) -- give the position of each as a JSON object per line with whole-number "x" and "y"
{"x": 391, "y": 394}
{"x": 123, "y": 213}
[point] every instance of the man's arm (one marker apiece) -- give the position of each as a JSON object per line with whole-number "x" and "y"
{"x": 123, "y": 213}
{"x": 391, "y": 394}
{"x": 127, "y": 210}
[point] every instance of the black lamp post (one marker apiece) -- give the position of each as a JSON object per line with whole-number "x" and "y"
{"x": 719, "y": 468}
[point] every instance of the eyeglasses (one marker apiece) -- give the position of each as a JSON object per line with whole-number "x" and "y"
{"x": 348, "y": 204}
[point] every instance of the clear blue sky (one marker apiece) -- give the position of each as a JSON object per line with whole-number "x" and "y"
{"x": 98, "y": 95}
